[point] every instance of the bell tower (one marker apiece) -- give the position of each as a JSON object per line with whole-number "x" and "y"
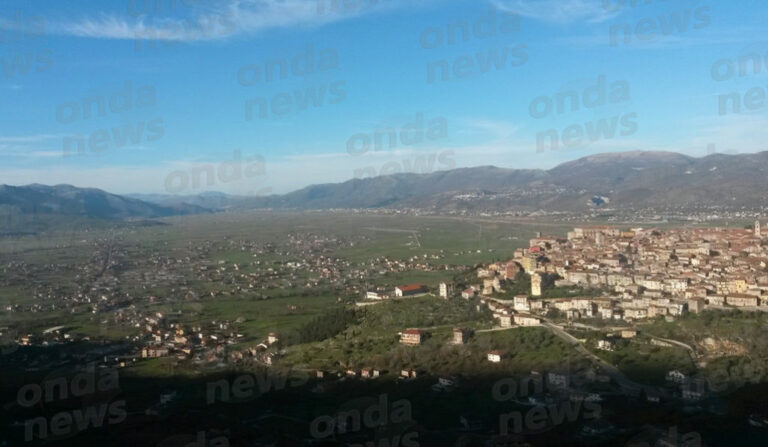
{"x": 535, "y": 284}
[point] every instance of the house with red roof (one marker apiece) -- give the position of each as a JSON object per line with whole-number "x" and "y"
{"x": 412, "y": 337}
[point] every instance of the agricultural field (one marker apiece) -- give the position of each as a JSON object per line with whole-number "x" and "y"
{"x": 375, "y": 342}
{"x": 254, "y": 272}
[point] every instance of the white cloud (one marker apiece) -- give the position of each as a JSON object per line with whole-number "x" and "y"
{"x": 488, "y": 127}
{"x": 28, "y": 139}
{"x": 743, "y": 133}
{"x": 112, "y": 27}
{"x": 225, "y": 19}
{"x": 45, "y": 154}
{"x": 28, "y": 146}
{"x": 660, "y": 42}
{"x": 559, "y": 11}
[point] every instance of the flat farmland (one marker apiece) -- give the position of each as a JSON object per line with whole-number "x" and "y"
{"x": 85, "y": 275}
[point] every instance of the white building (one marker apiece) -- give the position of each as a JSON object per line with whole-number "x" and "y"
{"x": 445, "y": 289}
{"x": 496, "y": 356}
{"x": 527, "y": 320}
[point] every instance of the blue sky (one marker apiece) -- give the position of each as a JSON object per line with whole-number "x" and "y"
{"x": 165, "y": 96}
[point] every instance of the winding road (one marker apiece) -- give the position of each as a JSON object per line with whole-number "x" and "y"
{"x": 623, "y": 381}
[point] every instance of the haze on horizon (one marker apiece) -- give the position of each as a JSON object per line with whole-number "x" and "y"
{"x": 135, "y": 96}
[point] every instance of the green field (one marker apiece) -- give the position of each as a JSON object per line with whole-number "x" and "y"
{"x": 66, "y": 259}
{"x": 646, "y": 363}
{"x": 375, "y": 342}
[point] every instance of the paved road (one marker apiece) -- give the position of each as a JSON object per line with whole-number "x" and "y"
{"x": 498, "y": 328}
{"x": 691, "y": 350}
{"x": 674, "y": 342}
{"x": 604, "y": 328}
{"x": 623, "y": 381}
{"x": 617, "y": 328}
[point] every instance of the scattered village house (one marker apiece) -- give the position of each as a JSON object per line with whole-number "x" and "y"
{"x": 461, "y": 335}
{"x": 505, "y": 320}
{"x": 412, "y": 337}
{"x": 152, "y": 352}
{"x": 527, "y": 320}
{"x": 496, "y": 356}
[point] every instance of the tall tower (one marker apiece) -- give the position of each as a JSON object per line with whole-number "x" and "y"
{"x": 444, "y": 290}
{"x": 757, "y": 228}
{"x": 535, "y": 284}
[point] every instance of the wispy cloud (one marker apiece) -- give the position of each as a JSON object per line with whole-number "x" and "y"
{"x": 559, "y": 11}
{"x": 45, "y": 154}
{"x": 705, "y": 38}
{"x": 28, "y": 155}
{"x": 28, "y": 139}
{"x": 29, "y": 147}
{"x": 487, "y": 127}
{"x": 225, "y": 19}
{"x": 739, "y": 132}
{"x": 113, "y": 27}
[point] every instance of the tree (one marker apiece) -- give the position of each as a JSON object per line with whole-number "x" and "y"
{"x": 555, "y": 314}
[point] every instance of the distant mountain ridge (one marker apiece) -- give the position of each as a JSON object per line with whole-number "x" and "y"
{"x": 618, "y": 180}
{"x": 623, "y": 180}
{"x": 207, "y": 200}
{"x": 90, "y": 202}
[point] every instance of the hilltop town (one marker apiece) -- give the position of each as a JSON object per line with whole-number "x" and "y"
{"x": 616, "y": 281}
{"x": 642, "y": 273}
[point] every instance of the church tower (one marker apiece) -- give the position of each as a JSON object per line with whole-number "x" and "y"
{"x": 535, "y": 284}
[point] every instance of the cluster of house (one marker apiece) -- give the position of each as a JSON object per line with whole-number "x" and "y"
{"x": 444, "y": 384}
{"x": 265, "y": 352}
{"x": 660, "y": 272}
{"x": 103, "y": 290}
{"x": 689, "y": 388}
{"x": 609, "y": 343}
{"x": 313, "y": 267}
{"x": 164, "y": 336}
{"x": 643, "y": 273}
{"x": 106, "y": 288}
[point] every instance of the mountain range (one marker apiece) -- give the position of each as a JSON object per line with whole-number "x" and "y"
{"x": 68, "y": 200}
{"x": 639, "y": 179}
{"x": 618, "y": 180}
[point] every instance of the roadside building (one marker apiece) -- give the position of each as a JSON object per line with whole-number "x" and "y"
{"x": 505, "y": 320}
{"x": 411, "y": 290}
{"x": 461, "y": 335}
{"x": 527, "y": 320}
